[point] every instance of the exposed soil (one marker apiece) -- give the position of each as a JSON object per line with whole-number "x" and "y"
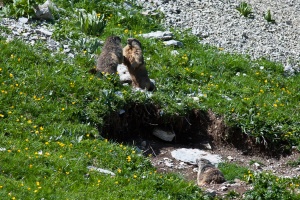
{"x": 201, "y": 130}
{"x": 165, "y": 163}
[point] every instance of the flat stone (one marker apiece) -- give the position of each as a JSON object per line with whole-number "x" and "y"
{"x": 44, "y": 31}
{"x": 164, "y": 135}
{"x": 104, "y": 171}
{"x": 163, "y": 35}
{"x": 23, "y": 20}
{"x": 26, "y": 34}
{"x": 190, "y": 156}
{"x": 173, "y": 43}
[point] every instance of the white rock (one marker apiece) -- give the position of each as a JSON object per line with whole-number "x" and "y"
{"x": 164, "y": 135}
{"x": 174, "y": 53}
{"x": 196, "y": 98}
{"x": 224, "y": 188}
{"x": 104, "y": 171}
{"x": 23, "y": 20}
{"x": 44, "y": 31}
{"x": 168, "y": 162}
{"x": 257, "y": 166}
{"x": 2, "y": 149}
{"x": 164, "y": 35}
{"x": 207, "y": 146}
{"x": 124, "y": 74}
{"x": 230, "y": 158}
{"x": 43, "y": 11}
{"x": 190, "y": 156}
{"x": 173, "y": 43}
{"x": 26, "y": 34}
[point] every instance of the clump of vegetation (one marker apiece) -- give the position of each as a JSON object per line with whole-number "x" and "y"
{"x": 232, "y": 171}
{"x": 267, "y": 186}
{"x": 91, "y": 23}
{"x": 268, "y": 17}
{"x": 244, "y": 9}
{"x": 20, "y": 8}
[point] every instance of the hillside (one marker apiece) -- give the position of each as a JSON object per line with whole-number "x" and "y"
{"x": 61, "y": 124}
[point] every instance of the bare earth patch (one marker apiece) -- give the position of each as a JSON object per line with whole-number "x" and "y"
{"x": 165, "y": 163}
{"x": 197, "y": 130}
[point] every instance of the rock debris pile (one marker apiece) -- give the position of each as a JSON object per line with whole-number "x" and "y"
{"x": 218, "y": 23}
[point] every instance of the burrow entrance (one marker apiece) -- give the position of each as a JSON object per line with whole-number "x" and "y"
{"x": 137, "y": 122}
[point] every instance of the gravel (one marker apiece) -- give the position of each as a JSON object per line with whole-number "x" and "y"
{"x": 218, "y": 23}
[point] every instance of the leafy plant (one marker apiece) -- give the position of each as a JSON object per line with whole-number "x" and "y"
{"x": 232, "y": 171}
{"x": 90, "y": 46}
{"x": 92, "y": 23}
{"x": 269, "y": 187}
{"x": 244, "y": 9}
{"x": 268, "y": 17}
{"x": 19, "y": 8}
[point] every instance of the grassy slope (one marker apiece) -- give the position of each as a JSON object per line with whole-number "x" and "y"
{"x": 48, "y": 104}
{"x": 45, "y": 106}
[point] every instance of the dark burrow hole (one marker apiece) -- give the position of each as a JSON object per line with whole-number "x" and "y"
{"x": 137, "y": 122}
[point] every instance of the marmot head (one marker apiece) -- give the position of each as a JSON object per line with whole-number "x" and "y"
{"x": 202, "y": 162}
{"x": 113, "y": 39}
{"x": 133, "y": 42}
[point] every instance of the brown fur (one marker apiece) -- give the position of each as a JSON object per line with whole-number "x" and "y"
{"x": 208, "y": 173}
{"x": 134, "y": 60}
{"x": 110, "y": 56}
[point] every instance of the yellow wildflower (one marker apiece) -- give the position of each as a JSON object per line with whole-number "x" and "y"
{"x": 128, "y": 158}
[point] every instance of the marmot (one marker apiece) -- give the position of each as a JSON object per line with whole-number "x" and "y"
{"x": 208, "y": 173}
{"x": 134, "y": 60}
{"x": 110, "y": 56}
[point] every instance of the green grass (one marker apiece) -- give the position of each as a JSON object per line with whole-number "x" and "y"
{"x": 268, "y": 186}
{"x": 232, "y": 171}
{"x": 50, "y": 107}
{"x": 46, "y": 107}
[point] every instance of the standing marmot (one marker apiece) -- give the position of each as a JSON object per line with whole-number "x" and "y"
{"x": 110, "y": 56}
{"x": 208, "y": 173}
{"x": 134, "y": 60}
